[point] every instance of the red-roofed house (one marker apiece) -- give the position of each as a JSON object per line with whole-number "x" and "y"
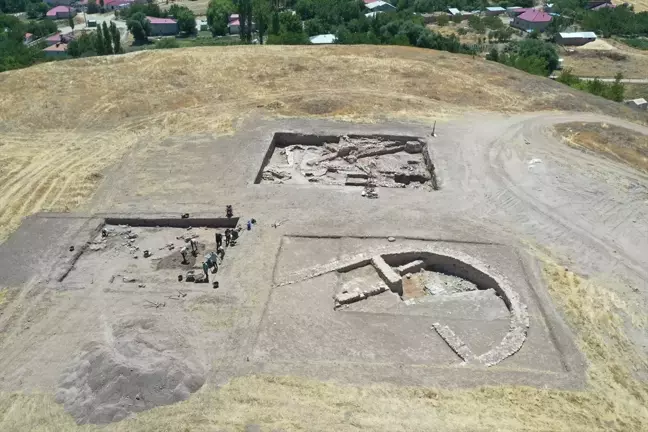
{"x": 532, "y": 20}
{"x": 234, "y": 24}
{"x": 54, "y": 39}
{"x": 56, "y": 50}
{"x": 59, "y": 38}
{"x": 60, "y": 12}
{"x": 163, "y": 26}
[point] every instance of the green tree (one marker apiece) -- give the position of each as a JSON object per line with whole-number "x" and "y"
{"x": 218, "y": 13}
{"x": 476, "y": 24}
{"x": 306, "y": 9}
{"x": 442, "y": 20}
{"x": 14, "y": 53}
{"x": 493, "y": 55}
{"x": 537, "y": 48}
{"x": 244, "y": 9}
{"x": 314, "y": 27}
{"x": 167, "y": 43}
{"x": 139, "y": 26}
{"x": 100, "y": 47}
{"x": 261, "y": 10}
{"x": 107, "y": 39}
{"x": 36, "y": 10}
{"x": 41, "y": 28}
{"x": 275, "y": 25}
{"x": 185, "y": 17}
{"x": 83, "y": 46}
{"x": 617, "y": 89}
{"x": 71, "y": 22}
{"x": 116, "y": 38}
{"x": 92, "y": 7}
{"x": 456, "y": 19}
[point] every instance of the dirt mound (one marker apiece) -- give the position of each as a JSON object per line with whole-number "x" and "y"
{"x": 136, "y": 372}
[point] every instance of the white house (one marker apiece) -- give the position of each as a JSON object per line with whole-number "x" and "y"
{"x": 494, "y": 10}
{"x": 323, "y": 39}
{"x": 575, "y": 38}
{"x": 380, "y": 6}
{"x": 638, "y": 104}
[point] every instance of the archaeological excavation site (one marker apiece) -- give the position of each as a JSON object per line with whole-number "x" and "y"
{"x": 209, "y": 261}
{"x": 350, "y": 160}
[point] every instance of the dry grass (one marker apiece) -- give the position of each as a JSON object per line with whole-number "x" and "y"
{"x": 63, "y": 123}
{"x": 634, "y": 91}
{"x": 613, "y": 142}
{"x": 640, "y": 5}
{"x": 451, "y": 30}
{"x": 199, "y": 7}
{"x": 604, "y": 59}
{"x": 613, "y": 400}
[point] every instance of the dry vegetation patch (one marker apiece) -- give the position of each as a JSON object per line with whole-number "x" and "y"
{"x": 604, "y": 59}
{"x": 613, "y": 142}
{"x": 63, "y": 123}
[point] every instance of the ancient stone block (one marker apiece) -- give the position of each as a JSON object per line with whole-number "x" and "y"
{"x": 413, "y": 147}
{"x": 387, "y": 274}
{"x": 411, "y": 267}
{"x": 346, "y": 149}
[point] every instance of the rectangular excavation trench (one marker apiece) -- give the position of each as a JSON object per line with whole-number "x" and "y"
{"x": 66, "y": 265}
{"x": 393, "y": 161}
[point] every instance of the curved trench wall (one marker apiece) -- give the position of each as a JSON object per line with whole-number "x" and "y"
{"x": 453, "y": 263}
{"x": 450, "y": 266}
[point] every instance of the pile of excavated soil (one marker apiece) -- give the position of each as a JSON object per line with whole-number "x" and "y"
{"x": 137, "y": 371}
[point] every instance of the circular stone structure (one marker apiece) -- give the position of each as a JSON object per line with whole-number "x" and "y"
{"x": 449, "y": 262}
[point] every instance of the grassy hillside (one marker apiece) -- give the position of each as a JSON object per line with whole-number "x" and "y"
{"x": 63, "y": 122}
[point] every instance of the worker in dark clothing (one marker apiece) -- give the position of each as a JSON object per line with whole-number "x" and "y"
{"x": 205, "y": 267}
{"x": 228, "y": 237}
{"x": 235, "y": 235}
{"x": 219, "y": 240}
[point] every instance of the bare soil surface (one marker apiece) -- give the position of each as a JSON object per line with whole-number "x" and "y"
{"x": 86, "y": 328}
{"x": 613, "y": 142}
{"x": 604, "y": 59}
{"x": 58, "y": 136}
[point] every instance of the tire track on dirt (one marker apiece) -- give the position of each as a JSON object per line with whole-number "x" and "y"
{"x": 555, "y": 228}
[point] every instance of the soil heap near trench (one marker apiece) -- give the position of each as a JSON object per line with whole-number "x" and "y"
{"x": 138, "y": 371}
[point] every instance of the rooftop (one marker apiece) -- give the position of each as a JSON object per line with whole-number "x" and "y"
{"x": 58, "y": 9}
{"x": 535, "y": 16}
{"x": 323, "y": 39}
{"x": 59, "y": 47}
{"x": 495, "y": 9}
{"x": 156, "y": 20}
{"x": 378, "y": 3}
{"x": 578, "y": 35}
